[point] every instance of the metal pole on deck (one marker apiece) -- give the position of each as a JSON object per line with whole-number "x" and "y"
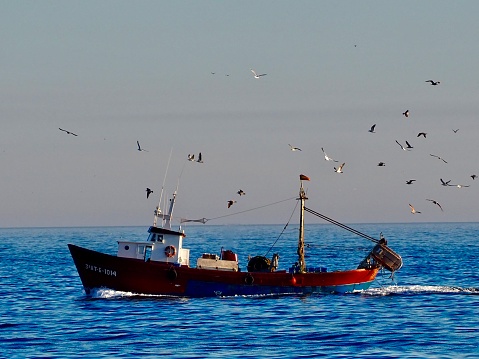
{"x": 302, "y": 198}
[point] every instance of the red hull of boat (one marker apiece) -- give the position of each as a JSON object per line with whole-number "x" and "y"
{"x": 99, "y": 270}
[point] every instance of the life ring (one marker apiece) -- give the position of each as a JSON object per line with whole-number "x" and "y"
{"x": 249, "y": 280}
{"x": 170, "y": 251}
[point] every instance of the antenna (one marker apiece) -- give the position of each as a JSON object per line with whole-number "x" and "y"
{"x": 158, "y": 208}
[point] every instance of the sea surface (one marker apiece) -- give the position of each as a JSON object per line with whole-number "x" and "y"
{"x": 428, "y": 309}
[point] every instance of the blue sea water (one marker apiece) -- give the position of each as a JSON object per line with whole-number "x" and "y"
{"x": 429, "y": 309}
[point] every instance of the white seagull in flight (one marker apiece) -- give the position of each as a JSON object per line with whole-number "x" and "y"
{"x": 339, "y": 169}
{"x": 256, "y": 76}
{"x": 139, "y": 147}
{"x": 68, "y": 132}
{"x": 326, "y": 157}
{"x": 401, "y": 146}
{"x": 413, "y": 210}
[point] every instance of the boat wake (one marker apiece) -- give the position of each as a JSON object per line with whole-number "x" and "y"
{"x": 418, "y": 289}
{"x": 105, "y": 293}
{"x": 409, "y": 290}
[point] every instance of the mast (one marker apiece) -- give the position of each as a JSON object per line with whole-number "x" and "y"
{"x": 302, "y": 198}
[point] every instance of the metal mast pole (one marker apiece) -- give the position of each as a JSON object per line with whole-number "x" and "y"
{"x": 302, "y": 198}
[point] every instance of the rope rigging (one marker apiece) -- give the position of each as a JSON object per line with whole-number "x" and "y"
{"x": 285, "y": 226}
{"x": 352, "y": 230}
{"x": 204, "y": 220}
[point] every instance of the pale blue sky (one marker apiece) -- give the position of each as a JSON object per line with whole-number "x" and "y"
{"x": 115, "y": 72}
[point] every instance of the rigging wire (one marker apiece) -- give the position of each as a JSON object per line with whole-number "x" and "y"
{"x": 352, "y": 230}
{"x": 247, "y": 210}
{"x": 285, "y": 226}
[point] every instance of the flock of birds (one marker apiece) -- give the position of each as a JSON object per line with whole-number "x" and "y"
{"x": 339, "y": 168}
{"x": 406, "y": 147}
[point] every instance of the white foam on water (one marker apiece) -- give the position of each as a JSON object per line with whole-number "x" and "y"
{"x": 105, "y": 293}
{"x": 418, "y": 289}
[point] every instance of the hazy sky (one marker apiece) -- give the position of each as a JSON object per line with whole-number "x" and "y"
{"x": 115, "y": 72}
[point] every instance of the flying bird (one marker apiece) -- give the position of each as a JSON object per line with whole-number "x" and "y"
{"x": 460, "y": 185}
{"x": 148, "y": 192}
{"x": 372, "y": 128}
{"x": 326, "y": 157}
{"x": 339, "y": 169}
{"x": 413, "y": 210}
{"x": 445, "y": 183}
{"x": 241, "y": 192}
{"x": 401, "y": 146}
{"x": 68, "y": 132}
{"x": 200, "y": 158}
{"x": 442, "y": 159}
{"x": 381, "y": 164}
{"x": 408, "y": 145}
{"x": 410, "y": 181}
{"x": 191, "y": 157}
{"x": 473, "y": 177}
{"x": 256, "y": 76}
{"x": 421, "y": 134}
{"x": 455, "y": 131}
{"x": 435, "y": 202}
{"x": 406, "y": 113}
{"x": 139, "y": 147}
{"x": 434, "y": 83}
{"x": 230, "y": 203}
{"x": 292, "y": 148}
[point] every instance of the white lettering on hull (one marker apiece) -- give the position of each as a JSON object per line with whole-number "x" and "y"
{"x": 105, "y": 271}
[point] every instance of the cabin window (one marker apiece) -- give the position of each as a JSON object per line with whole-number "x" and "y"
{"x": 127, "y": 248}
{"x": 141, "y": 249}
{"x": 147, "y": 253}
{"x": 159, "y": 237}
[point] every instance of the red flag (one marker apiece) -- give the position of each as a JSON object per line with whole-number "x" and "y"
{"x": 303, "y": 177}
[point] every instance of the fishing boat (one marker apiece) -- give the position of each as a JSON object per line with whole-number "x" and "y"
{"x": 161, "y": 266}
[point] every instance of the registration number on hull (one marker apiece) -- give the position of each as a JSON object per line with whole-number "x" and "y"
{"x": 101, "y": 270}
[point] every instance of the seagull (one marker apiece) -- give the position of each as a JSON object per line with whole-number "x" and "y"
{"x": 200, "y": 158}
{"x": 408, "y": 145}
{"x": 256, "y": 76}
{"x": 406, "y": 113}
{"x": 148, "y": 192}
{"x": 372, "y": 128}
{"x": 241, "y": 192}
{"x": 191, "y": 157}
{"x": 139, "y": 147}
{"x": 339, "y": 169}
{"x": 326, "y": 157}
{"x": 413, "y": 210}
{"x": 410, "y": 181}
{"x": 473, "y": 177}
{"x": 443, "y": 160}
{"x": 434, "y": 83}
{"x": 455, "y": 131}
{"x": 230, "y": 203}
{"x": 401, "y": 145}
{"x": 422, "y": 134}
{"x": 292, "y": 148}
{"x": 460, "y": 185}
{"x": 381, "y": 164}
{"x": 446, "y": 183}
{"x": 435, "y": 202}
{"x": 68, "y": 132}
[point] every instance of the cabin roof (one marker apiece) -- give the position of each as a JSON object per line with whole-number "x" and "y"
{"x": 164, "y": 231}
